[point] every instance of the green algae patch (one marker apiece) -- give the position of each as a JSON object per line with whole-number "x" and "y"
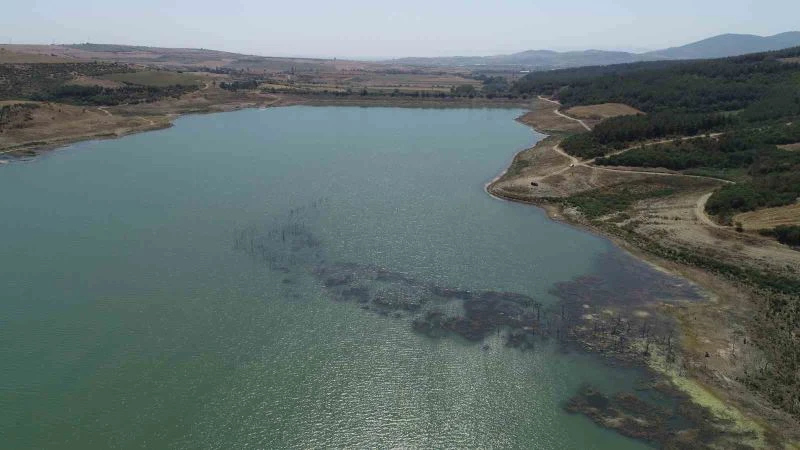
{"x": 750, "y": 431}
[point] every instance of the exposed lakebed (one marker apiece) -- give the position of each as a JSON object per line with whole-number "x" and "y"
{"x": 311, "y": 277}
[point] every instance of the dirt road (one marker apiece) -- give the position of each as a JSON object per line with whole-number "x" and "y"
{"x": 559, "y": 113}
{"x": 700, "y": 211}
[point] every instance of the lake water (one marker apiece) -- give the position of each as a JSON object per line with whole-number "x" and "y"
{"x": 132, "y": 314}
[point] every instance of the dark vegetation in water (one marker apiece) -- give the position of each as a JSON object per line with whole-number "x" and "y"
{"x": 673, "y": 422}
{"x": 755, "y": 101}
{"x": 285, "y": 241}
{"x": 434, "y": 310}
{"x": 612, "y": 313}
{"x": 615, "y": 312}
{"x": 773, "y": 323}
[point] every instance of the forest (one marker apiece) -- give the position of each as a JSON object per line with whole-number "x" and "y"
{"x": 621, "y": 132}
{"x": 771, "y": 173}
{"x": 704, "y": 86}
{"x": 751, "y": 101}
{"x": 786, "y": 234}
{"x": 740, "y": 109}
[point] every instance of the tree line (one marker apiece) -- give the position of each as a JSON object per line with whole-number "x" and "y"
{"x": 755, "y": 101}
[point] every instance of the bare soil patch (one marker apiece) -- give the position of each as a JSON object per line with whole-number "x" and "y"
{"x": 542, "y": 117}
{"x": 51, "y": 125}
{"x": 769, "y": 217}
{"x": 14, "y": 102}
{"x": 12, "y": 57}
{"x": 158, "y": 78}
{"x": 594, "y": 114}
{"x": 602, "y": 111}
{"x": 673, "y": 221}
{"x": 791, "y": 147}
{"x": 92, "y": 81}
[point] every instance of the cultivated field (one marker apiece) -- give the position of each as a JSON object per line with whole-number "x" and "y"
{"x": 11, "y": 57}
{"x": 161, "y": 78}
{"x": 594, "y": 114}
{"x": 186, "y": 58}
{"x": 769, "y": 217}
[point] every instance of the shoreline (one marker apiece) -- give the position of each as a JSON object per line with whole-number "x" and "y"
{"x": 706, "y": 387}
{"x": 163, "y": 120}
{"x": 711, "y": 284}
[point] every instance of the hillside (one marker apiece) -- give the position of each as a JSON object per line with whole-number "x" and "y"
{"x": 533, "y": 59}
{"x": 182, "y": 58}
{"x": 729, "y": 121}
{"x": 729, "y": 45}
{"x": 714, "y": 47}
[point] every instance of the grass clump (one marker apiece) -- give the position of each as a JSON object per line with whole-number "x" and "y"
{"x": 618, "y": 198}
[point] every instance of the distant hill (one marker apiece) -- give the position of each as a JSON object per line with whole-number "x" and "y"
{"x": 729, "y": 45}
{"x": 714, "y": 47}
{"x": 531, "y": 59}
{"x": 534, "y": 60}
{"x": 173, "y": 58}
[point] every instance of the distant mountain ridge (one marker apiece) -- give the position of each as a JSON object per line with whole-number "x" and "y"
{"x": 730, "y": 45}
{"x": 714, "y": 47}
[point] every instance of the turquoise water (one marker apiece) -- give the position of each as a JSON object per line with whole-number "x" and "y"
{"x": 129, "y": 318}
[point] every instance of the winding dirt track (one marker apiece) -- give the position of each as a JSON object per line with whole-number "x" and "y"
{"x": 700, "y": 212}
{"x": 700, "y": 207}
{"x": 559, "y": 113}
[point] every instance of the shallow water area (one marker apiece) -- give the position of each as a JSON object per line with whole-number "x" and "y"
{"x": 173, "y": 288}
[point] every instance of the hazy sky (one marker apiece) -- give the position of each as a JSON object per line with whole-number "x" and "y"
{"x": 362, "y": 28}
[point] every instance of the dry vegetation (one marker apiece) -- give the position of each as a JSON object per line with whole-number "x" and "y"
{"x": 791, "y": 147}
{"x": 189, "y": 58}
{"x": 594, "y": 114}
{"x": 373, "y": 82}
{"x": 12, "y": 57}
{"x": 769, "y": 217}
{"x": 94, "y": 81}
{"x": 140, "y": 88}
{"x": 601, "y": 111}
{"x": 656, "y": 217}
{"x": 541, "y": 118}
{"x": 51, "y": 125}
{"x": 672, "y": 218}
{"x": 161, "y": 78}
{"x": 646, "y": 212}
